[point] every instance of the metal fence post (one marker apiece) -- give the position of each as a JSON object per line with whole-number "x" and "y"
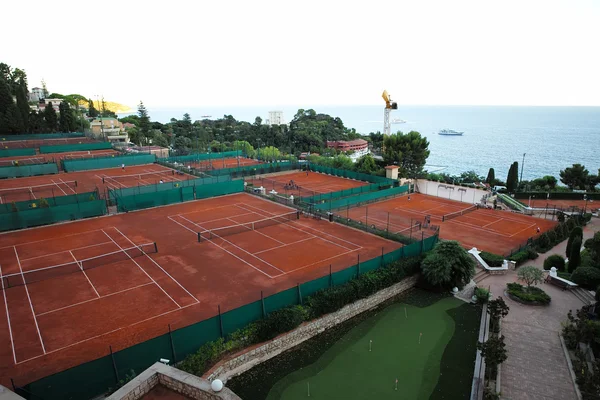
{"x": 112, "y": 356}
{"x": 262, "y": 302}
{"x": 330, "y": 277}
{"x": 358, "y": 266}
{"x": 172, "y": 345}
{"x": 220, "y": 321}
{"x": 299, "y": 294}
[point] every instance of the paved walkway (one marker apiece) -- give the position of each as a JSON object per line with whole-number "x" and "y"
{"x": 536, "y": 367}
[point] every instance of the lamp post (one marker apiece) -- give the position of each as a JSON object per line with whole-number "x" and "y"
{"x": 522, "y": 166}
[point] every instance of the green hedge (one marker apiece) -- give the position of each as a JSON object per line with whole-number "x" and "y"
{"x": 532, "y": 294}
{"x": 321, "y": 302}
{"x": 524, "y": 255}
{"x": 493, "y": 260}
{"x": 586, "y": 277}
{"x": 555, "y": 260}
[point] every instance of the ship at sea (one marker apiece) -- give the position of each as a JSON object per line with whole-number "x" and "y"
{"x": 398, "y": 121}
{"x": 449, "y": 132}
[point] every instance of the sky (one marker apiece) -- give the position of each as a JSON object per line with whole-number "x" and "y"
{"x": 281, "y": 53}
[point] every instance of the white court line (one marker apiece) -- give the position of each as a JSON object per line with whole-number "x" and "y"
{"x": 522, "y": 230}
{"x": 287, "y": 244}
{"x": 101, "y": 297}
{"x": 31, "y": 192}
{"x": 142, "y": 269}
{"x": 486, "y": 225}
{"x": 68, "y": 187}
{"x": 12, "y": 344}
{"x": 257, "y": 231}
{"x": 316, "y": 262}
{"x": 205, "y": 210}
{"x": 114, "y": 180}
{"x": 110, "y": 185}
{"x": 234, "y": 245}
{"x": 161, "y": 268}
{"x": 44, "y": 240}
{"x": 29, "y": 298}
{"x": 225, "y": 250}
{"x": 84, "y": 274}
{"x": 58, "y": 186}
{"x": 65, "y": 251}
{"x": 218, "y": 219}
{"x": 105, "y": 333}
{"x": 454, "y": 221}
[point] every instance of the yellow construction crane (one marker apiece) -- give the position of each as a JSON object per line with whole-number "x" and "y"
{"x": 389, "y": 105}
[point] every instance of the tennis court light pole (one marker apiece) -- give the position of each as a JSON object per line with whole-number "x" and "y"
{"x": 522, "y": 166}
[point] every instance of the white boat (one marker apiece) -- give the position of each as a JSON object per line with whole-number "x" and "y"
{"x": 398, "y": 121}
{"x": 449, "y": 132}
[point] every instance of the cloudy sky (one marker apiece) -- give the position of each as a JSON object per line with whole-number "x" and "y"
{"x": 200, "y": 53}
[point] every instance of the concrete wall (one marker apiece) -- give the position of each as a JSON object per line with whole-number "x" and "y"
{"x": 452, "y": 192}
{"x": 245, "y": 360}
{"x": 174, "y": 379}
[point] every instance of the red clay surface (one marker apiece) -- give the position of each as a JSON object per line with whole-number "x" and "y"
{"x": 56, "y": 157}
{"x": 62, "y": 184}
{"x": 220, "y": 163}
{"x": 19, "y": 144}
{"x": 308, "y": 184}
{"x": 590, "y": 205}
{"x": 72, "y": 318}
{"x": 495, "y": 231}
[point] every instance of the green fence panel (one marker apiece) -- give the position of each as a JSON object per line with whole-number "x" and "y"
{"x": 257, "y": 169}
{"x": 159, "y": 187}
{"x": 219, "y": 189}
{"x": 342, "y": 193}
{"x": 311, "y": 287}
{"x": 549, "y": 196}
{"x": 62, "y": 148}
{"x": 107, "y": 162}
{"x": 189, "y": 339}
{"x": 392, "y": 256}
{"x": 345, "y": 275}
{"x": 429, "y": 243}
{"x": 187, "y": 193}
{"x": 281, "y": 300}
{"x": 352, "y": 175}
{"x": 241, "y": 316}
{"x": 52, "y": 202}
{"x": 370, "y": 265}
{"x": 149, "y": 200}
{"x": 84, "y": 381}
{"x": 143, "y": 355}
{"x": 17, "y": 152}
{"x": 33, "y": 136}
{"x": 359, "y": 199}
{"x": 28, "y": 170}
{"x": 412, "y": 250}
{"x": 202, "y": 156}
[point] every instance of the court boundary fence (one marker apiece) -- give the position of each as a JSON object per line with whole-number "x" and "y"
{"x": 112, "y": 161}
{"x": 63, "y": 148}
{"x": 21, "y": 171}
{"x": 93, "y": 378}
{"x": 17, "y": 152}
{"x": 34, "y": 136}
{"x": 359, "y": 176}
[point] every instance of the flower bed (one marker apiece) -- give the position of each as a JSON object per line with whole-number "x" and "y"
{"x": 527, "y": 295}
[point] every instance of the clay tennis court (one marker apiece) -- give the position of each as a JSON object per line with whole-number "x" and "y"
{"x": 495, "y": 231}
{"x": 56, "y": 157}
{"x": 75, "y": 305}
{"x": 306, "y": 184}
{"x": 221, "y": 163}
{"x": 62, "y": 184}
{"x": 20, "y": 144}
{"x": 566, "y": 205}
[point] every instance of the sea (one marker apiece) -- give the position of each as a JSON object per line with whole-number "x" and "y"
{"x": 549, "y": 139}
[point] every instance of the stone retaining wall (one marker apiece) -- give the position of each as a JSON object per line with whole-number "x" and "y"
{"x": 245, "y": 360}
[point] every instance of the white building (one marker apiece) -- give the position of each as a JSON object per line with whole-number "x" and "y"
{"x": 36, "y": 94}
{"x": 276, "y": 118}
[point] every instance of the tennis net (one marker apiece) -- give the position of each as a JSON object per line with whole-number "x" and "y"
{"x": 450, "y": 216}
{"x": 28, "y": 277}
{"x": 39, "y": 188}
{"x": 248, "y": 226}
{"x": 141, "y": 176}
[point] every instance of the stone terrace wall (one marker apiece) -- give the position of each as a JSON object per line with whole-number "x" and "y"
{"x": 245, "y": 360}
{"x": 174, "y": 379}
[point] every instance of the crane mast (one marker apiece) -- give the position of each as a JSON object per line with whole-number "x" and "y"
{"x": 389, "y": 106}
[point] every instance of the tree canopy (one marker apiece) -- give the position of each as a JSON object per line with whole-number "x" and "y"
{"x": 448, "y": 265}
{"x": 408, "y": 151}
{"x": 578, "y": 177}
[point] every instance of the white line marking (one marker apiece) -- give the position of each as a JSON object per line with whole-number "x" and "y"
{"x": 161, "y": 268}
{"x": 317, "y": 262}
{"x": 287, "y": 244}
{"x": 84, "y": 274}
{"x": 8, "y": 318}
{"x": 65, "y": 251}
{"x": 524, "y": 229}
{"x": 225, "y": 250}
{"x": 275, "y": 240}
{"x": 29, "y": 298}
{"x": 101, "y": 297}
{"x": 58, "y": 186}
{"x": 142, "y": 269}
{"x": 68, "y": 187}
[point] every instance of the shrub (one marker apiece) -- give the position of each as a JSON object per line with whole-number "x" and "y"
{"x": 522, "y": 256}
{"x": 555, "y": 260}
{"x": 483, "y": 295}
{"x": 577, "y": 232}
{"x": 493, "y": 260}
{"x": 448, "y": 265}
{"x": 575, "y": 258}
{"x": 533, "y": 295}
{"x": 280, "y": 321}
{"x": 586, "y": 277}
{"x": 43, "y": 203}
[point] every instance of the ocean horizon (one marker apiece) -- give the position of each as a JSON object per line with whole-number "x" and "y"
{"x": 551, "y": 137}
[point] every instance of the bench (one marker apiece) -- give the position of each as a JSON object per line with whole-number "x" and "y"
{"x": 560, "y": 282}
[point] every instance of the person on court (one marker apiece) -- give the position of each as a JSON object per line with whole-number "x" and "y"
{"x": 123, "y": 166}
{"x": 161, "y": 181}
{"x": 538, "y": 229}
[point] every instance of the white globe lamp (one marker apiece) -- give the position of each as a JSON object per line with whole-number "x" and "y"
{"x": 216, "y": 385}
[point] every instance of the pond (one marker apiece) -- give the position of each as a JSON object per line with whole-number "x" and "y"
{"x": 425, "y": 341}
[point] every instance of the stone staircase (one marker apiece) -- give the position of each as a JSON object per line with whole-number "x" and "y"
{"x": 480, "y": 275}
{"x": 584, "y": 295}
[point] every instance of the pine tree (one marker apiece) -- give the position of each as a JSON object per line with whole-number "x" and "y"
{"x": 22, "y": 103}
{"x": 66, "y": 120}
{"x": 577, "y": 232}
{"x": 575, "y": 256}
{"x": 50, "y": 118}
{"x": 491, "y": 177}
{"x": 92, "y": 112}
{"x": 512, "y": 180}
{"x": 144, "y": 121}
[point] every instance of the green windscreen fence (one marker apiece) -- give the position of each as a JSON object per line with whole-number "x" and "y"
{"x": 28, "y": 170}
{"x": 33, "y": 136}
{"x": 359, "y": 176}
{"x": 93, "y": 378}
{"x": 266, "y": 168}
{"x": 107, "y": 162}
{"x": 51, "y": 215}
{"x": 201, "y": 156}
{"x": 16, "y": 152}
{"x": 178, "y": 195}
{"x": 361, "y": 199}
{"x": 159, "y": 187}
{"x": 342, "y": 193}
{"x": 62, "y": 148}
{"x": 50, "y": 202}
